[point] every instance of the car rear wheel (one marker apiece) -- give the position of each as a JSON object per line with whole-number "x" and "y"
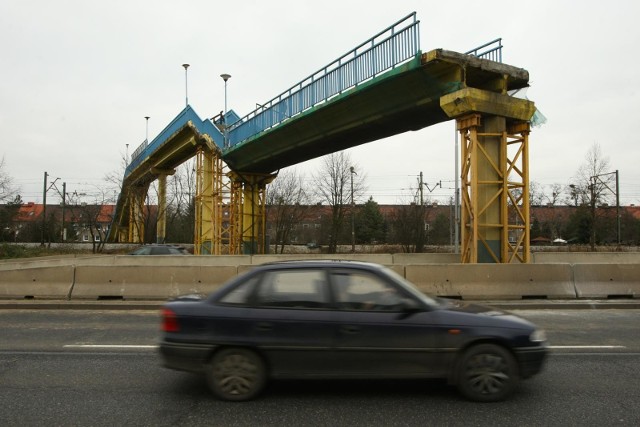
{"x": 236, "y": 374}
{"x": 487, "y": 373}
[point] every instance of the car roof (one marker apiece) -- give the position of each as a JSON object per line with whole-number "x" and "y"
{"x": 321, "y": 263}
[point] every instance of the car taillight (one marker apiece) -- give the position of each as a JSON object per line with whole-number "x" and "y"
{"x": 169, "y": 321}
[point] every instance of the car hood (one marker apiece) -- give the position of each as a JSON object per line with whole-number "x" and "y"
{"x": 461, "y": 309}
{"x": 466, "y": 307}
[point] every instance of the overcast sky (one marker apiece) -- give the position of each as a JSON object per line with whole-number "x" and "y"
{"x": 79, "y": 76}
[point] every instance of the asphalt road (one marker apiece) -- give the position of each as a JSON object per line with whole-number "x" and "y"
{"x": 61, "y": 367}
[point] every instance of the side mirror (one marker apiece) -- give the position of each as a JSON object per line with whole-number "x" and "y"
{"x": 410, "y": 305}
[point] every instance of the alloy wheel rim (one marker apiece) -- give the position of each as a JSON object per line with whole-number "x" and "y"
{"x": 236, "y": 375}
{"x": 487, "y": 374}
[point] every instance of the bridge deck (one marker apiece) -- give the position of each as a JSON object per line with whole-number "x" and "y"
{"x": 400, "y": 100}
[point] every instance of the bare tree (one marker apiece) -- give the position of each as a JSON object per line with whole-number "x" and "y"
{"x": 8, "y": 191}
{"x": 114, "y": 178}
{"x": 92, "y": 218}
{"x": 536, "y": 194}
{"x": 333, "y": 185}
{"x": 287, "y": 202}
{"x": 180, "y": 206}
{"x": 410, "y": 223}
{"x": 594, "y": 184}
{"x": 556, "y": 193}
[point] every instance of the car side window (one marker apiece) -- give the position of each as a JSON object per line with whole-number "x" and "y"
{"x": 241, "y": 294}
{"x": 365, "y": 291}
{"x": 293, "y": 289}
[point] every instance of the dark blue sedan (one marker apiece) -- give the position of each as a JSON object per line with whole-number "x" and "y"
{"x": 344, "y": 319}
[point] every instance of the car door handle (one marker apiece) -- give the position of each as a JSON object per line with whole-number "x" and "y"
{"x": 264, "y": 326}
{"x": 350, "y": 329}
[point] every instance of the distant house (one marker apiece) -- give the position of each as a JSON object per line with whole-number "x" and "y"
{"x": 81, "y": 222}
{"x": 86, "y": 223}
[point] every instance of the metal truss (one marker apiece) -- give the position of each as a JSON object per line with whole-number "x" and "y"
{"x": 495, "y": 192}
{"x": 250, "y": 194}
{"x": 215, "y": 206}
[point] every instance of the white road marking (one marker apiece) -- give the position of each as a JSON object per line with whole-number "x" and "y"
{"x": 131, "y": 346}
{"x": 115, "y": 346}
{"x": 607, "y": 347}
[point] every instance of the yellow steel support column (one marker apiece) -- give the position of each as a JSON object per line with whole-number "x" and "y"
{"x": 235, "y": 216}
{"x": 204, "y": 232}
{"x": 136, "y": 197}
{"x": 161, "y": 225}
{"x": 495, "y": 190}
{"x": 468, "y": 128}
{"x": 251, "y": 230}
{"x": 216, "y": 207}
{"x": 517, "y": 245}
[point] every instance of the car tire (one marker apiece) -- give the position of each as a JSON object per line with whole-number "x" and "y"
{"x": 487, "y": 373}
{"x": 236, "y": 374}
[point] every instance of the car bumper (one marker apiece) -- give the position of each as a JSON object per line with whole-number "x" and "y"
{"x": 531, "y": 360}
{"x": 184, "y": 356}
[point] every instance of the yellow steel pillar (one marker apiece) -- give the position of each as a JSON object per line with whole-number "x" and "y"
{"x": 136, "y": 197}
{"x": 495, "y": 190}
{"x": 204, "y": 233}
{"x": 518, "y": 244}
{"x": 235, "y": 216}
{"x": 495, "y": 172}
{"x": 253, "y": 212}
{"x": 216, "y": 207}
{"x": 468, "y": 128}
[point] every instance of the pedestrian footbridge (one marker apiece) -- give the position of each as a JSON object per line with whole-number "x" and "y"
{"x": 383, "y": 87}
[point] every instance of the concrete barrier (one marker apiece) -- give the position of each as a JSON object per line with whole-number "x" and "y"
{"x": 159, "y": 278}
{"x": 385, "y": 259}
{"x": 37, "y": 282}
{"x": 139, "y": 282}
{"x": 586, "y": 257}
{"x": 607, "y": 280}
{"x": 493, "y": 281}
{"x": 427, "y": 258}
{"x": 181, "y": 261}
{"x": 51, "y": 261}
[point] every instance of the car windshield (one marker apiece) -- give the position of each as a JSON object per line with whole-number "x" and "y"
{"x": 410, "y": 287}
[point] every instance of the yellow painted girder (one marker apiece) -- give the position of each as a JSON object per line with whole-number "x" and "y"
{"x": 470, "y": 100}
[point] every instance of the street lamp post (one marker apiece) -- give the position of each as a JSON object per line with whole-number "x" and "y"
{"x": 225, "y": 77}
{"x": 186, "y": 92}
{"x": 146, "y": 133}
{"x": 353, "y": 213}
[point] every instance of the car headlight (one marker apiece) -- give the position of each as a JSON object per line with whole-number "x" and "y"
{"x": 539, "y": 335}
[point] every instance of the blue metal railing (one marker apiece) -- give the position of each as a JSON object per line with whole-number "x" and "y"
{"x": 491, "y": 51}
{"x": 185, "y": 116}
{"x": 387, "y": 49}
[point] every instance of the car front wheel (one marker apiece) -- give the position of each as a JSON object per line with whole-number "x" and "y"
{"x": 236, "y": 374}
{"x": 487, "y": 373}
